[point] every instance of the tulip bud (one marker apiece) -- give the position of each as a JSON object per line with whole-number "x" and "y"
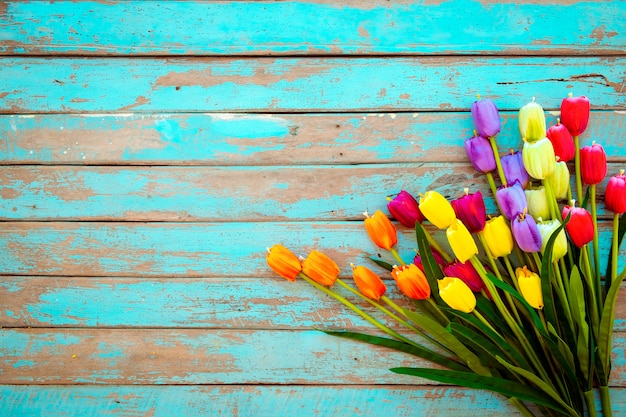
{"x": 538, "y": 203}
{"x": 457, "y": 294}
{"x": 320, "y": 268}
{"x": 526, "y": 233}
{"x": 559, "y": 181}
{"x": 368, "y": 282}
{"x": 530, "y": 286}
{"x": 498, "y": 236}
{"x": 411, "y": 281}
{"x": 575, "y": 114}
{"x": 532, "y": 122}
{"x": 539, "y": 158}
{"x": 593, "y": 166}
{"x": 470, "y": 209}
{"x": 437, "y": 209}
{"x": 511, "y": 199}
{"x": 466, "y": 273}
{"x": 562, "y": 141}
{"x": 514, "y": 170}
{"x": 615, "y": 197}
{"x": 461, "y": 241}
{"x": 580, "y": 226}
{"x": 404, "y": 208}
{"x": 480, "y": 153}
{"x": 283, "y": 262}
{"x": 486, "y": 118}
{"x": 546, "y": 229}
{"x": 381, "y": 230}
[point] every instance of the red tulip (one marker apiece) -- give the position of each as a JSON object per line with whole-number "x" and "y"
{"x": 580, "y": 226}
{"x": 575, "y": 114}
{"x": 466, "y": 273}
{"x": 615, "y": 197}
{"x": 562, "y": 141}
{"x": 593, "y": 166}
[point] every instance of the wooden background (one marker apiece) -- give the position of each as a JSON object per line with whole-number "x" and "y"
{"x": 151, "y": 151}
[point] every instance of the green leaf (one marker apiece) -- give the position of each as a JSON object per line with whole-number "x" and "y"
{"x": 546, "y": 275}
{"x": 605, "y": 332}
{"x": 420, "y": 352}
{"x": 431, "y": 269}
{"x": 577, "y": 304}
{"x": 620, "y": 236}
{"x": 499, "y": 385}
{"x": 382, "y": 264}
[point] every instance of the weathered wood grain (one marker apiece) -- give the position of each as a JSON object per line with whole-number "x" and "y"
{"x": 267, "y": 139}
{"x": 217, "y": 303}
{"x": 225, "y": 249}
{"x": 268, "y": 85}
{"x": 199, "y": 356}
{"x": 311, "y": 27}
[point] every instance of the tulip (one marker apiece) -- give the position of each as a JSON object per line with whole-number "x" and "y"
{"x": 559, "y": 181}
{"x": 404, "y": 208}
{"x": 511, "y": 199}
{"x": 486, "y": 118}
{"x": 526, "y": 233}
{"x": 580, "y": 227}
{"x": 480, "y": 153}
{"x": 381, "y": 230}
{"x": 514, "y": 170}
{"x": 538, "y": 203}
{"x": 532, "y": 122}
{"x": 498, "y": 236}
{"x": 562, "y": 141}
{"x": 466, "y": 273}
{"x": 283, "y": 262}
{"x": 530, "y": 286}
{"x": 368, "y": 282}
{"x": 417, "y": 260}
{"x": 437, "y": 209}
{"x": 457, "y": 294}
{"x": 546, "y": 229}
{"x": 461, "y": 241}
{"x": 615, "y": 197}
{"x": 575, "y": 114}
{"x": 539, "y": 158}
{"x": 470, "y": 209}
{"x": 593, "y": 166}
{"x": 320, "y": 268}
{"x": 411, "y": 281}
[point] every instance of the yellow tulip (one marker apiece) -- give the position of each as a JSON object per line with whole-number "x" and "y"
{"x": 437, "y": 209}
{"x": 559, "y": 180}
{"x": 457, "y": 294}
{"x": 532, "y": 122}
{"x": 537, "y": 201}
{"x": 530, "y": 286}
{"x": 539, "y": 159}
{"x": 498, "y": 236}
{"x": 461, "y": 241}
{"x": 546, "y": 229}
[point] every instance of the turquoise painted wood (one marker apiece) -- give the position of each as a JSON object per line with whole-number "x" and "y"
{"x": 318, "y": 28}
{"x": 69, "y": 85}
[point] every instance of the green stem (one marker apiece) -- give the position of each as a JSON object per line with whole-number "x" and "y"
{"x": 591, "y": 404}
{"x": 594, "y": 312}
{"x": 432, "y": 242}
{"x": 596, "y": 250}
{"x": 552, "y": 203}
{"x": 509, "y": 268}
{"x": 496, "y": 155}
{"x": 605, "y": 398}
{"x": 484, "y": 321}
{"x": 614, "y": 253}
{"x": 521, "y": 407}
{"x": 579, "y": 184}
{"x": 396, "y": 255}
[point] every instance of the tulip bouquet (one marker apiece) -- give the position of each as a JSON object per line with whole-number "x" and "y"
{"x": 515, "y": 302}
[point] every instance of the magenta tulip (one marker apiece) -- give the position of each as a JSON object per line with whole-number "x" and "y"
{"x": 405, "y": 209}
{"x": 470, "y": 209}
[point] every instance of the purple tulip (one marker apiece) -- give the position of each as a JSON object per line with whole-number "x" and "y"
{"x": 486, "y": 117}
{"x": 511, "y": 199}
{"x": 405, "y": 209}
{"x": 513, "y": 167}
{"x": 526, "y": 233}
{"x": 480, "y": 153}
{"x": 470, "y": 209}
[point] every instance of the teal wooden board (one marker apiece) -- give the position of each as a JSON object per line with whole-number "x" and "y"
{"x": 199, "y": 356}
{"x": 68, "y": 85}
{"x": 261, "y": 401}
{"x": 267, "y": 139}
{"x": 225, "y": 249}
{"x": 312, "y": 27}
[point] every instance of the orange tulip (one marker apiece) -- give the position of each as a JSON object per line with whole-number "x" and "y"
{"x": 411, "y": 281}
{"x": 381, "y": 230}
{"x": 320, "y": 268}
{"x": 368, "y": 282}
{"x": 283, "y": 262}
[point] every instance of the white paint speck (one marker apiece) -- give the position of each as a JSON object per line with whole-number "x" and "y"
{"x": 31, "y": 152}
{"x": 392, "y": 115}
{"x": 64, "y": 152}
{"x": 415, "y": 115}
{"x": 84, "y": 156}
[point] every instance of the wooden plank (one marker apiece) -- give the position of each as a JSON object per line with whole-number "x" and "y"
{"x": 66, "y": 85}
{"x": 188, "y": 249}
{"x": 218, "y": 303}
{"x": 235, "y": 193}
{"x": 266, "y": 139}
{"x": 199, "y": 357}
{"x": 311, "y": 27}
